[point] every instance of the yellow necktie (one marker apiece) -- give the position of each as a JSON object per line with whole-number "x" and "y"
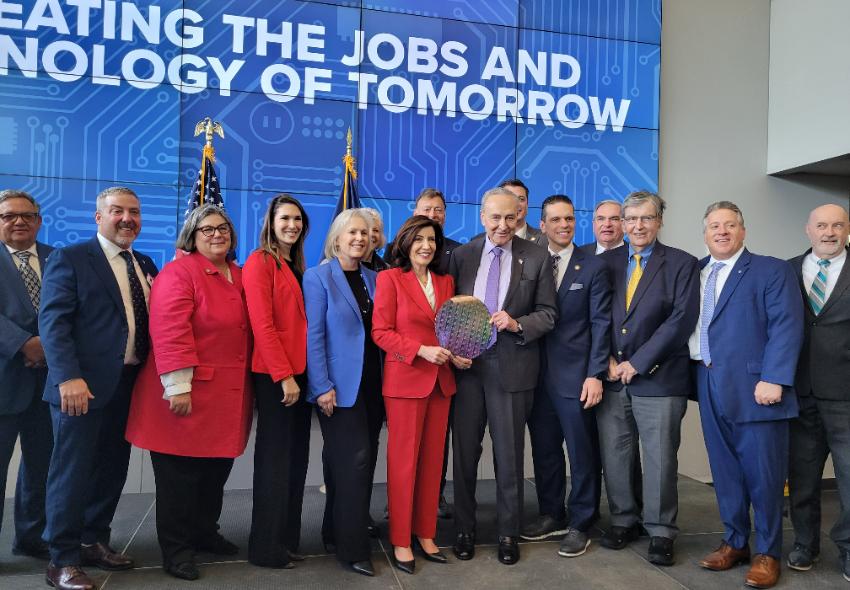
{"x": 634, "y": 279}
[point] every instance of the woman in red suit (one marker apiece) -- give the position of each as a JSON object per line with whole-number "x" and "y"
{"x": 272, "y": 276}
{"x": 418, "y": 385}
{"x": 192, "y": 405}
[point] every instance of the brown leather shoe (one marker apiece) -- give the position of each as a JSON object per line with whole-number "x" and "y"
{"x": 68, "y": 578}
{"x": 104, "y": 557}
{"x": 764, "y": 572}
{"x": 725, "y": 557}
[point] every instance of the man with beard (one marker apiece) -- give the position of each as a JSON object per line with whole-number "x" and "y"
{"x": 94, "y": 328}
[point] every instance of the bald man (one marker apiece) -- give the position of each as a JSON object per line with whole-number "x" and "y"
{"x": 823, "y": 374}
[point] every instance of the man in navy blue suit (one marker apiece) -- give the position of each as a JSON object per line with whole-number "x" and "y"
{"x": 575, "y": 359}
{"x": 654, "y": 309}
{"x": 746, "y": 347}
{"x": 22, "y": 367}
{"x": 607, "y": 227}
{"x": 94, "y": 327}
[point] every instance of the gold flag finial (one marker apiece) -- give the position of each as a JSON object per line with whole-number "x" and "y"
{"x": 348, "y": 139}
{"x": 209, "y": 127}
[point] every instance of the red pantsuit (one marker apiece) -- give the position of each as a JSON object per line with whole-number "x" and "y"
{"x": 416, "y": 396}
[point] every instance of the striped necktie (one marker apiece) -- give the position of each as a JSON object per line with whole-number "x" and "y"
{"x": 708, "y": 302}
{"x": 30, "y": 278}
{"x": 634, "y": 279}
{"x": 556, "y": 259}
{"x": 817, "y": 294}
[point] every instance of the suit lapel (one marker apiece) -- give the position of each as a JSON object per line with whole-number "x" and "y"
{"x": 840, "y": 286}
{"x": 341, "y": 282}
{"x": 653, "y": 265}
{"x": 620, "y": 280}
{"x": 410, "y": 283}
{"x": 102, "y": 269}
{"x": 572, "y": 271}
{"x": 294, "y": 287}
{"x": 8, "y": 268}
{"x": 735, "y": 275}
{"x": 517, "y": 261}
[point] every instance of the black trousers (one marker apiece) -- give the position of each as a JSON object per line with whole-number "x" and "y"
{"x": 349, "y": 455}
{"x": 189, "y": 495}
{"x": 281, "y": 454}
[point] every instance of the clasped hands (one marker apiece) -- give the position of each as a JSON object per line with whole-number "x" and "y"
{"x": 623, "y": 372}
{"x": 440, "y": 356}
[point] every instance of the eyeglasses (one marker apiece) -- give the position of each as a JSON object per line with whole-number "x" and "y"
{"x": 13, "y": 217}
{"x": 209, "y": 230}
{"x": 644, "y": 219}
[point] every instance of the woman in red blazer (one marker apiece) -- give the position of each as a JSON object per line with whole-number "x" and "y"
{"x": 418, "y": 385}
{"x": 272, "y": 276}
{"x": 191, "y": 405}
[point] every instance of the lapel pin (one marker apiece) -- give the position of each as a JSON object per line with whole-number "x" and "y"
{"x": 578, "y": 267}
{"x": 520, "y": 261}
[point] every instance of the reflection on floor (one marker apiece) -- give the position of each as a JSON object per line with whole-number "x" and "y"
{"x": 540, "y": 567}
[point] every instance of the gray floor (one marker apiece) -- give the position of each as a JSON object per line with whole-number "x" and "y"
{"x": 539, "y": 568}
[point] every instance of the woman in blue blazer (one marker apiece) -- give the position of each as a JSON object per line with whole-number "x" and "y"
{"x": 344, "y": 376}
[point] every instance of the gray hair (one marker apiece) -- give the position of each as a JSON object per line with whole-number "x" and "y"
{"x": 379, "y": 221}
{"x": 722, "y": 205}
{"x": 497, "y": 191}
{"x": 113, "y": 190}
{"x": 186, "y": 239}
{"x": 11, "y": 193}
{"x": 608, "y": 202}
{"x": 638, "y": 198}
{"x": 339, "y": 224}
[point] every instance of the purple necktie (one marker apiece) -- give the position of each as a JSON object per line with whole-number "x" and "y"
{"x": 491, "y": 294}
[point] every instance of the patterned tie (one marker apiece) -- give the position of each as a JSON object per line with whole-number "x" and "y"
{"x": 141, "y": 343}
{"x": 30, "y": 278}
{"x": 491, "y": 295}
{"x": 634, "y": 279}
{"x": 708, "y": 311}
{"x": 817, "y": 294}
{"x": 556, "y": 258}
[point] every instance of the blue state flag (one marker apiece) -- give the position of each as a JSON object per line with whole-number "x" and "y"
{"x": 348, "y": 198}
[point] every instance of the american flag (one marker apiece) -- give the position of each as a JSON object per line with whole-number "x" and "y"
{"x": 206, "y": 189}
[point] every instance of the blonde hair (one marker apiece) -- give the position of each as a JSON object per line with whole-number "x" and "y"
{"x": 339, "y": 224}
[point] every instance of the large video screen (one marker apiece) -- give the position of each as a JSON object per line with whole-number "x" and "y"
{"x": 453, "y": 94}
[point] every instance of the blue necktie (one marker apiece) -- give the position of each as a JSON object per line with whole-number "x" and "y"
{"x": 817, "y": 294}
{"x": 491, "y": 294}
{"x": 708, "y": 311}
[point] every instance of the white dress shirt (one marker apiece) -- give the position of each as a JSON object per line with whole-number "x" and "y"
{"x": 563, "y": 263}
{"x": 119, "y": 269}
{"x": 428, "y": 289}
{"x": 832, "y": 272}
{"x": 34, "y": 262}
{"x": 522, "y": 232}
{"x": 600, "y": 248}
{"x": 480, "y": 289}
{"x": 722, "y": 275}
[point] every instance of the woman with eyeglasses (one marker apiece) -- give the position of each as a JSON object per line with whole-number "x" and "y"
{"x": 273, "y": 275}
{"x": 192, "y": 404}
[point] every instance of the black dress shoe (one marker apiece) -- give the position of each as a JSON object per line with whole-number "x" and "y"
{"x": 464, "y": 547}
{"x": 438, "y": 557}
{"x": 408, "y": 567}
{"x": 186, "y": 570}
{"x": 544, "y": 527}
{"x": 508, "y": 550}
{"x": 217, "y": 545}
{"x": 68, "y": 578}
{"x": 660, "y": 551}
{"x": 37, "y": 550}
{"x": 619, "y": 537}
{"x": 374, "y": 531}
{"x": 279, "y": 564}
{"x": 102, "y": 556}
{"x": 364, "y": 568}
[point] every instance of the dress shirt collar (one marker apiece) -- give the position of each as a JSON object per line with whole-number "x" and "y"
{"x": 32, "y": 249}
{"x": 563, "y": 252}
{"x": 645, "y": 253}
{"x": 600, "y": 248}
{"x": 111, "y": 249}
{"x": 815, "y": 259}
{"x": 729, "y": 262}
{"x": 488, "y": 245}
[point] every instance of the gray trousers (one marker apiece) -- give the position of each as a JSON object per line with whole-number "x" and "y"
{"x": 481, "y": 401}
{"x": 656, "y": 421}
{"x": 823, "y": 427}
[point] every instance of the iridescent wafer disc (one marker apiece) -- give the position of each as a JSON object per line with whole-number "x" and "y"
{"x": 463, "y": 326}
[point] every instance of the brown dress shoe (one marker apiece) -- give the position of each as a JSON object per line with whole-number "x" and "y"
{"x": 68, "y": 578}
{"x": 104, "y": 557}
{"x": 725, "y": 557}
{"x": 764, "y": 572}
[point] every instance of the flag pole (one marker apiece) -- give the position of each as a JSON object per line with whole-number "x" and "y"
{"x": 209, "y": 127}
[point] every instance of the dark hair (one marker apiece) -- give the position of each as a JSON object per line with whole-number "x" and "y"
{"x": 186, "y": 238}
{"x": 10, "y": 193}
{"x": 403, "y": 242}
{"x": 430, "y": 193}
{"x": 554, "y": 199}
{"x": 514, "y": 182}
{"x": 268, "y": 239}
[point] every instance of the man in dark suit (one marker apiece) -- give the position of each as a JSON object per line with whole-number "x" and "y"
{"x": 523, "y": 229}
{"x": 575, "y": 360}
{"x": 607, "y": 227}
{"x": 432, "y": 204}
{"x": 513, "y": 278}
{"x": 823, "y": 374}
{"x": 22, "y": 367}
{"x": 745, "y": 349}
{"x": 94, "y": 326}
{"x": 654, "y": 310}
